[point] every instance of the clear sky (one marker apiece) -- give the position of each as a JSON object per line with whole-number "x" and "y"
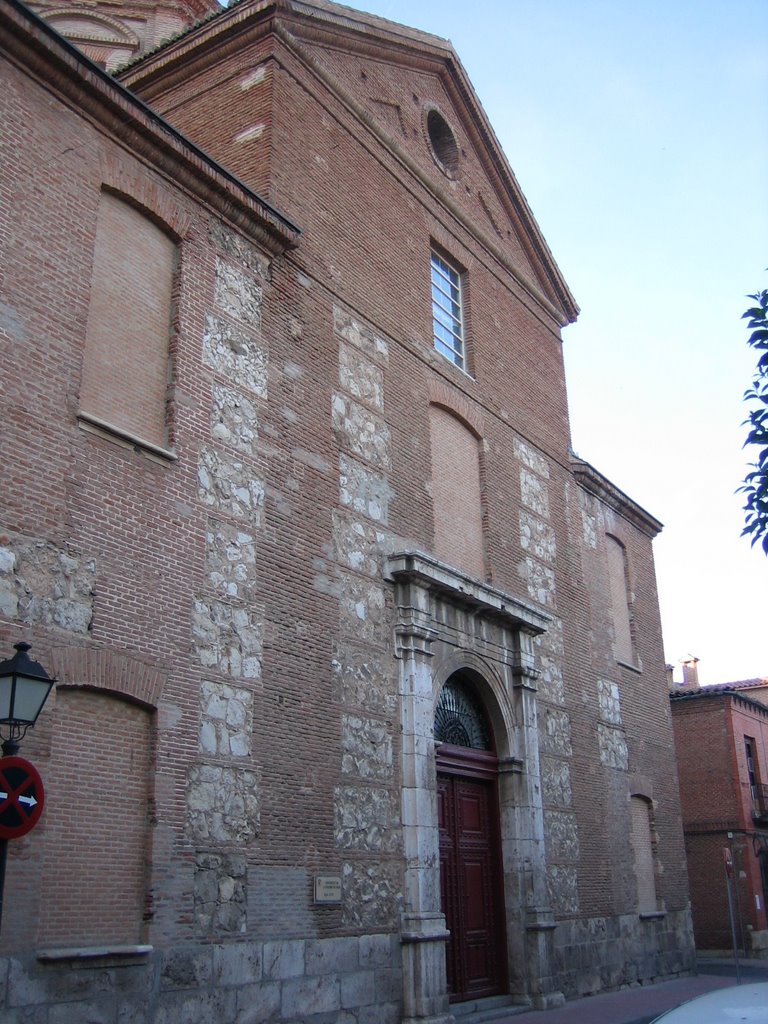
{"x": 639, "y": 135}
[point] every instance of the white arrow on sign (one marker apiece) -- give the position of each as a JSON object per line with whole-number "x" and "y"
{"x": 29, "y": 800}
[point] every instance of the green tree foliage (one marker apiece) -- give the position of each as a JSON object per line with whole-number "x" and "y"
{"x": 755, "y": 485}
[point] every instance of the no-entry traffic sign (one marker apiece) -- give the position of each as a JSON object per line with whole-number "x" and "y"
{"x": 21, "y": 797}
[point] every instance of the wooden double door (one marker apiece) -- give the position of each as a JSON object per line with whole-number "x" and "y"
{"x": 471, "y": 889}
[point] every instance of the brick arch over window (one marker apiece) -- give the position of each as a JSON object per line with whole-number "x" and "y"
{"x": 456, "y": 492}
{"x": 125, "y": 373}
{"x": 79, "y": 24}
{"x": 116, "y": 673}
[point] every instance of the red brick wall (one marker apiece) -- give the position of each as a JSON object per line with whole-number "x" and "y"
{"x": 94, "y": 839}
{"x": 717, "y": 811}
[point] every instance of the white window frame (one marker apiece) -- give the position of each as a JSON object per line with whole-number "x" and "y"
{"x": 447, "y": 310}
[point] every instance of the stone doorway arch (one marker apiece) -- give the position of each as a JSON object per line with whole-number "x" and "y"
{"x": 471, "y": 882}
{"x": 446, "y": 621}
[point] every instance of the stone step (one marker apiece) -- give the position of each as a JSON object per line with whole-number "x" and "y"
{"x": 478, "y": 1011}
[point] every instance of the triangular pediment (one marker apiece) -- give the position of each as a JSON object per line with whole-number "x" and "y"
{"x": 412, "y": 87}
{"x": 407, "y": 87}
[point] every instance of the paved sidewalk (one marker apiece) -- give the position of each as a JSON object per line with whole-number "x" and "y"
{"x": 640, "y": 1005}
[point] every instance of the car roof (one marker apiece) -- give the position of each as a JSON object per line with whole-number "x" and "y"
{"x": 746, "y": 1003}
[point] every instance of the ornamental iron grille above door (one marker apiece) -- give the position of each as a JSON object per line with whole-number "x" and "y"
{"x": 459, "y": 718}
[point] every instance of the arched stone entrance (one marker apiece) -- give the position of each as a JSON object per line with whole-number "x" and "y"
{"x": 448, "y": 623}
{"x": 471, "y": 883}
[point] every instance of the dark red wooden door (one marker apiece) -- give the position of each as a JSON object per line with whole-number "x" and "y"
{"x": 470, "y": 884}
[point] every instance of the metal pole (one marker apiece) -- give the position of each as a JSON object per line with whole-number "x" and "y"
{"x": 733, "y": 922}
{"x": 3, "y": 859}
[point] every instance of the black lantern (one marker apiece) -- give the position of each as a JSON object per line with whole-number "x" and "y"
{"x": 24, "y": 688}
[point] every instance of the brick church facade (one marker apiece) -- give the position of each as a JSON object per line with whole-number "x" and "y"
{"x": 361, "y": 709}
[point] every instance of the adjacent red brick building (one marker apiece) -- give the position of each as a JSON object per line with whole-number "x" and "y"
{"x": 361, "y": 707}
{"x": 721, "y": 737}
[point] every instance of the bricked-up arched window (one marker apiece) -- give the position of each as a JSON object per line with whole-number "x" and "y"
{"x": 94, "y": 885}
{"x": 456, "y": 493}
{"x": 618, "y": 578}
{"x": 125, "y": 367}
{"x": 643, "y": 850}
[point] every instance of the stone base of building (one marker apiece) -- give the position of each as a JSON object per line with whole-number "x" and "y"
{"x": 602, "y": 953}
{"x": 357, "y": 978}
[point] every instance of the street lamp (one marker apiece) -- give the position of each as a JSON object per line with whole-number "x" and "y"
{"x": 24, "y": 688}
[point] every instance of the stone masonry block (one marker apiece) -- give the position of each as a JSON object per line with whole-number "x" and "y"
{"x": 540, "y": 580}
{"x": 359, "y": 545}
{"x": 220, "y": 894}
{"x": 230, "y": 486}
{"x": 226, "y": 719}
{"x": 206, "y": 1007}
{"x": 237, "y": 963}
{"x": 235, "y": 354}
{"x": 531, "y": 459}
{"x": 534, "y": 493}
{"x": 228, "y": 638}
{"x": 555, "y": 732}
{"x": 258, "y": 1003}
{"x": 364, "y": 679}
{"x": 563, "y": 888}
{"x": 364, "y": 490}
{"x": 361, "y": 378}
{"x": 222, "y": 804}
{"x": 551, "y": 685}
{"x": 537, "y": 537}
{"x": 230, "y": 561}
{"x": 234, "y": 419}
{"x": 331, "y": 956}
{"x": 556, "y": 782}
{"x": 358, "y": 989}
{"x": 360, "y": 336}
{"x": 366, "y": 745}
{"x": 44, "y": 585}
{"x": 562, "y": 832}
{"x": 376, "y": 950}
{"x": 241, "y": 251}
{"x": 186, "y": 968}
{"x": 612, "y": 744}
{"x": 608, "y": 702}
{"x": 366, "y": 819}
{"x": 303, "y": 997}
{"x": 361, "y": 431}
{"x": 284, "y": 959}
{"x": 372, "y": 894}
{"x": 238, "y": 294}
{"x": 362, "y": 610}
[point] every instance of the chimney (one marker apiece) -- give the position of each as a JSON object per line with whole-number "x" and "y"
{"x": 690, "y": 672}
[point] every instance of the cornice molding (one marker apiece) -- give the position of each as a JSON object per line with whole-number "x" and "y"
{"x": 590, "y": 480}
{"x": 417, "y": 567}
{"x": 61, "y": 68}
